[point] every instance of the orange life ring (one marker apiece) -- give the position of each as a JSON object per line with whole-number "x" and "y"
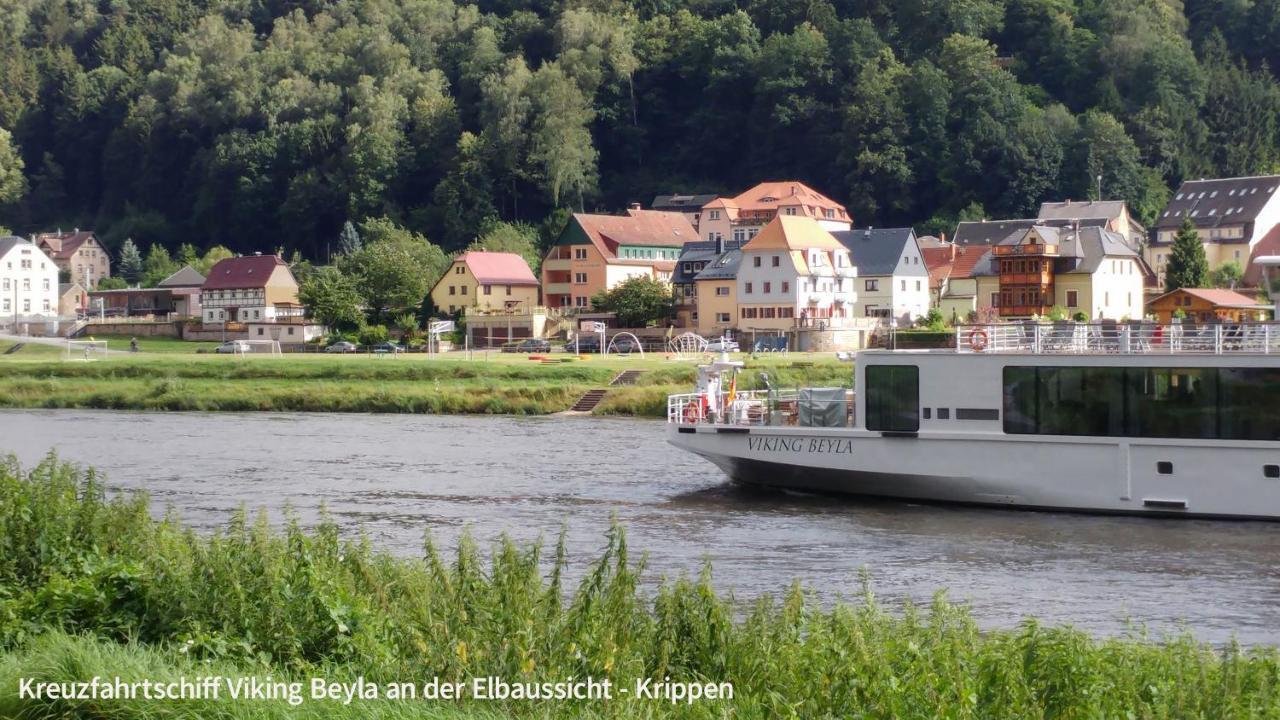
{"x": 978, "y": 340}
{"x": 693, "y": 412}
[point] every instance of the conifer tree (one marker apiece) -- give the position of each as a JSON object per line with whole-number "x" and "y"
{"x": 1187, "y": 267}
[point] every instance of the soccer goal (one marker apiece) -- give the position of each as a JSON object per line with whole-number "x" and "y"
{"x": 258, "y": 347}
{"x": 86, "y": 350}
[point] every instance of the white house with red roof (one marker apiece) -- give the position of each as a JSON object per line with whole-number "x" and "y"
{"x": 486, "y": 281}
{"x": 251, "y": 288}
{"x": 741, "y": 217}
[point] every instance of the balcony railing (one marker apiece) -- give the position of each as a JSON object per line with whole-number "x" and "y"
{"x": 1119, "y": 338}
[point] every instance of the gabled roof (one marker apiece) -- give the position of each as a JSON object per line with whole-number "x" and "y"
{"x": 700, "y": 252}
{"x": 681, "y": 203}
{"x": 877, "y": 251}
{"x": 781, "y": 193}
{"x": 792, "y": 232}
{"x": 638, "y": 227}
{"x": 9, "y": 242}
{"x": 186, "y": 277}
{"x": 1079, "y": 251}
{"x": 967, "y": 260}
{"x": 248, "y": 271}
{"x": 1224, "y": 201}
{"x": 1072, "y": 209}
{"x": 497, "y": 268}
{"x": 991, "y": 232}
{"x": 64, "y": 288}
{"x": 724, "y": 267}
{"x": 1218, "y": 297}
{"x": 63, "y": 245}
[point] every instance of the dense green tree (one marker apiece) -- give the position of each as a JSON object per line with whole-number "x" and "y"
{"x": 637, "y": 301}
{"x": 1228, "y": 276}
{"x": 129, "y": 265}
{"x": 157, "y": 265}
{"x": 394, "y": 270}
{"x": 1187, "y": 266}
{"x": 332, "y": 298}
{"x": 517, "y": 238}
{"x": 13, "y": 184}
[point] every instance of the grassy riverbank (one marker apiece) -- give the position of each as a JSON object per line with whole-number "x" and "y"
{"x": 91, "y": 585}
{"x": 408, "y": 384}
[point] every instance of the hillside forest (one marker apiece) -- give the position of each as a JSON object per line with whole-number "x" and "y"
{"x": 270, "y": 124}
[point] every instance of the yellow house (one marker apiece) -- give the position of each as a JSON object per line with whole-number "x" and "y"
{"x": 1088, "y": 270}
{"x": 486, "y": 281}
{"x": 717, "y": 295}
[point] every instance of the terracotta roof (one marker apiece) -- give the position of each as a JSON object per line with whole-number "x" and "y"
{"x": 249, "y": 271}
{"x": 1216, "y": 296}
{"x": 186, "y": 277}
{"x": 784, "y": 193}
{"x": 1224, "y": 201}
{"x": 792, "y": 232}
{"x": 967, "y": 259}
{"x": 638, "y": 227}
{"x": 1268, "y": 245}
{"x": 938, "y": 261}
{"x": 498, "y": 268}
{"x": 61, "y": 246}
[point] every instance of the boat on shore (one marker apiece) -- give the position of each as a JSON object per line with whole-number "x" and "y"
{"x": 1143, "y": 419}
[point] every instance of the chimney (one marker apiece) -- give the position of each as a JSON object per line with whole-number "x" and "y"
{"x": 942, "y": 237}
{"x": 719, "y": 244}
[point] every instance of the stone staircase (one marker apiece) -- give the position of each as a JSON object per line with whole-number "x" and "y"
{"x": 588, "y": 401}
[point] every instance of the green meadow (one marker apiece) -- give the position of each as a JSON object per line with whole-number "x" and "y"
{"x": 92, "y": 585}
{"x": 39, "y": 377}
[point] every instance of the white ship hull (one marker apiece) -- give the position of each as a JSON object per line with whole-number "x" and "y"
{"x": 1217, "y": 479}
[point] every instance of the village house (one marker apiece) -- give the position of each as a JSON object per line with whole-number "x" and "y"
{"x": 597, "y": 252}
{"x": 1207, "y": 305}
{"x": 250, "y": 288}
{"x": 1231, "y": 215}
{"x": 794, "y": 274}
{"x": 951, "y": 278}
{"x": 72, "y": 300}
{"x": 693, "y": 258}
{"x": 79, "y": 254}
{"x": 184, "y": 287}
{"x": 486, "y": 282}
{"x": 893, "y": 280}
{"x": 178, "y": 294}
{"x": 717, "y": 295}
{"x": 1090, "y": 270}
{"x": 1088, "y": 212}
{"x": 740, "y": 218}
{"x": 28, "y": 284}
{"x": 688, "y": 205}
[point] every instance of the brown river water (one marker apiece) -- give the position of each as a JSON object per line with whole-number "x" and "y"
{"x": 395, "y": 477}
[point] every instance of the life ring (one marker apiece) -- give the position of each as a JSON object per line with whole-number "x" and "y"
{"x": 693, "y": 412}
{"x": 978, "y": 340}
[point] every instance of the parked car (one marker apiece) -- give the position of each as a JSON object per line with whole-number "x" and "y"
{"x": 342, "y": 346}
{"x": 232, "y": 346}
{"x": 387, "y": 347}
{"x": 531, "y": 345}
{"x": 585, "y": 344}
{"x": 723, "y": 345}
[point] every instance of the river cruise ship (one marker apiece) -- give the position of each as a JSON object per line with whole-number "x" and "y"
{"x": 1121, "y": 418}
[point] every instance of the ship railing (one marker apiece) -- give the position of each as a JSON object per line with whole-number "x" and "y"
{"x": 746, "y": 407}
{"x": 1137, "y": 338}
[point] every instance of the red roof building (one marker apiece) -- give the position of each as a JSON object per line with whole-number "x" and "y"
{"x": 486, "y": 282}
{"x": 250, "y": 288}
{"x": 77, "y": 253}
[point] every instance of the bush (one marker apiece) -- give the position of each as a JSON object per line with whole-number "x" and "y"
{"x": 1080, "y": 317}
{"x": 373, "y": 334}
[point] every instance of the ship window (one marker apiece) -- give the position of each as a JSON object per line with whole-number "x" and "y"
{"x": 1200, "y": 403}
{"x": 1164, "y": 467}
{"x": 893, "y": 398}
{"x": 1271, "y": 471}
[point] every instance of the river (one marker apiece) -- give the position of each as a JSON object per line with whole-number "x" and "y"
{"x": 394, "y": 477}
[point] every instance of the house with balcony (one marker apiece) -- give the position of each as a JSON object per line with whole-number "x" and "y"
{"x": 741, "y": 217}
{"x": 693, "y": 259}
{"x": 893, "y": 280}
{"x": 486, "y": 282}
{"x": 1088, "y": 270}
{"x": 1231, "y": 215}
{"x": 794, "y": 276}
{"x": 250, "y": 288}
{"x": 597, "y": 252}
{"x": 79, "y": 254}
{"x": 28, "y": 286}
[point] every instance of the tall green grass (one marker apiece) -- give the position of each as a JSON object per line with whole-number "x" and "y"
{"x": 89, "y": 581}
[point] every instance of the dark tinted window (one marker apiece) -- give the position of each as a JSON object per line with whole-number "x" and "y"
{"x": 893, "y": 398}
{"x": 1223, "y": 403}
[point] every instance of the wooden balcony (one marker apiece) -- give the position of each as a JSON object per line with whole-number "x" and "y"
{"x": 1029, "y": 249}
